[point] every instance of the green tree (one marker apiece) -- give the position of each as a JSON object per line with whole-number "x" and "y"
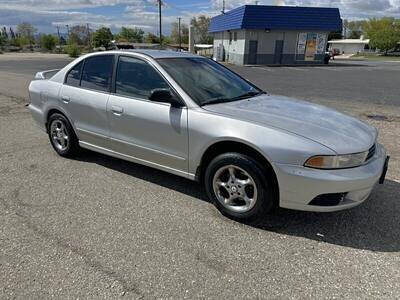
{"x": 26, "y": 34}
{"x": 151, "y": 38}
{"x": 175, "y": 33}
{"x": 48, "y": 41}
{"x": 2, "y": 41}
{"x": 133, "y": 35}
{"x": 166, "y": 40}
{"x": 384, "y": 33}
{"x": 201, "y": 25}
{"x": 22, "y": 41}
{"x": 102, "y": 37}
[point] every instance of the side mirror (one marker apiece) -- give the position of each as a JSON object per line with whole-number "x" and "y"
{"x": 165, "y": 96}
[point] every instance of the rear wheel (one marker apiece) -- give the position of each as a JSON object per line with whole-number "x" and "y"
{"x": 62, "y": 136}
{"x": 240, "y": 187}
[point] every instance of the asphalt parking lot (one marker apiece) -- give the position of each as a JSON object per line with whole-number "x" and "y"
{"x": 100, "y": 227}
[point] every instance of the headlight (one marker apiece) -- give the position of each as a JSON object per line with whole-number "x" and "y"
{"x": 337, "y": 161}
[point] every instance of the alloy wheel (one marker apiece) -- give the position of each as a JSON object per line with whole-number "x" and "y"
{"x": 235, "y": 189}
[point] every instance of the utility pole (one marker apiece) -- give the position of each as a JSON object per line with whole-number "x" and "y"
{"x": 223, "y": 7}
{"x": 159, "y": 15}
{"x": 88, "y": 34}
{"x": 67, "y": 29}
{"x": 179, "y": 30}
{"x": 59, "y": 38}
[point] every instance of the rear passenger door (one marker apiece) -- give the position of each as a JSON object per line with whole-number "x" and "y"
{"x": 84, "y": 96}
{"x": 151, "y": 132}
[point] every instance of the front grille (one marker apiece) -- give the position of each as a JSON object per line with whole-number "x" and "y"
{"x": 371, "y": 152}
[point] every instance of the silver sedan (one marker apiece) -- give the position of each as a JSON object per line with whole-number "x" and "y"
{"x": 192, "y": 117}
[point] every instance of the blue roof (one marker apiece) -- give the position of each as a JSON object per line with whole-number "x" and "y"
{"x": 278, "y": 17}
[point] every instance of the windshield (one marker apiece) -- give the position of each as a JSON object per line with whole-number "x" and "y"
{"x": 206, "y": 81}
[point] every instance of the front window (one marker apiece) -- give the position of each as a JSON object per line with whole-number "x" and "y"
{"x": 206, "y": 81}
{"x": 136, "y": 78}
{"x": 97, "y": 72}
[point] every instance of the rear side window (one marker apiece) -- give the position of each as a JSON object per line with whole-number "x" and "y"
{"x": 97, "y": 73}
{"x": 74, "y": 76}
{"x": 136, "y": 78}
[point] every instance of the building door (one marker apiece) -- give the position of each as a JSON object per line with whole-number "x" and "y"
{"x": 278, "y": 52}
{"x": 253, "y": 45}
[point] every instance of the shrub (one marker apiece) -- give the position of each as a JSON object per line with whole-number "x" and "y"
{"x": 73, "y": 50}
{"x": 48, "y": 41}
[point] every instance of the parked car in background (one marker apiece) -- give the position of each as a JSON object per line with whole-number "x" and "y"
{"x": 192, "y": 117}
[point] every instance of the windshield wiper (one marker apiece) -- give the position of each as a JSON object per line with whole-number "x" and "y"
{"x": 249, "y": 95}
{"x": 244, "y": 96}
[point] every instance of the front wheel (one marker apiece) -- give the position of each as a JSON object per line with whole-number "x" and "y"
{"x": 240, "y": 187}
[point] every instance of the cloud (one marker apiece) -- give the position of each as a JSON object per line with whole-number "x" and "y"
{"x": 60, "y": 4}
{"x": 368, "y": 5}
{"x": 45, "y": 14}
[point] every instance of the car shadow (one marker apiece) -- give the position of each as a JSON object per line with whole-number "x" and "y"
{"x": 373, "y": 226}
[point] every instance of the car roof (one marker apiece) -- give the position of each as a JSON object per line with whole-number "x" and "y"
{"x": 160, "y": 53}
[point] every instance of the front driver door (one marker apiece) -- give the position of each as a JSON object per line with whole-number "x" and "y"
{"x": 152, "y": 133}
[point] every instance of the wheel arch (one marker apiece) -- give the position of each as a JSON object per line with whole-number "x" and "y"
{"x": 225, "y": 146}
{"x": 54, "y": 110}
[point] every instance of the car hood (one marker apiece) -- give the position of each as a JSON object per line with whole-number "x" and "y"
{"x": 343, "y": 134}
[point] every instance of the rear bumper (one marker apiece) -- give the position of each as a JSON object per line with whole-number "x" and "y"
{"x": 37, "y": 116}
{"x": 299, "y": 185}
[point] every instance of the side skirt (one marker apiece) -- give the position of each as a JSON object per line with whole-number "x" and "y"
{"x": 135, "y": 160}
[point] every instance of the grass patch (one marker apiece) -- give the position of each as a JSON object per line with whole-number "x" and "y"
{"x": 373, "y": 56}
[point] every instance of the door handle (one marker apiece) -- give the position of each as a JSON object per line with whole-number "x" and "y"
{"x": 65, "y": 99}
{"x": 117, "y": 110}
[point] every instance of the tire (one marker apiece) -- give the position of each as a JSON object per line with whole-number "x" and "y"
{"x": 261, "y": 198}
{"x": 62, "y": 136}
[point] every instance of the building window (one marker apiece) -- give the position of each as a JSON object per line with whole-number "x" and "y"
{"x": 235, "y": 36}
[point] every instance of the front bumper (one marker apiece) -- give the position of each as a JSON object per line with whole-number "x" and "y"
{"x": 299, "y": 185}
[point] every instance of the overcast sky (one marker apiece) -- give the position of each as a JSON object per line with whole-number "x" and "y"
{"x": 46, "y": 14}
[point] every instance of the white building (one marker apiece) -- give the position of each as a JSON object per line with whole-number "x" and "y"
{"x": 348, "y": 46}
{"x": 261, "y": 34}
